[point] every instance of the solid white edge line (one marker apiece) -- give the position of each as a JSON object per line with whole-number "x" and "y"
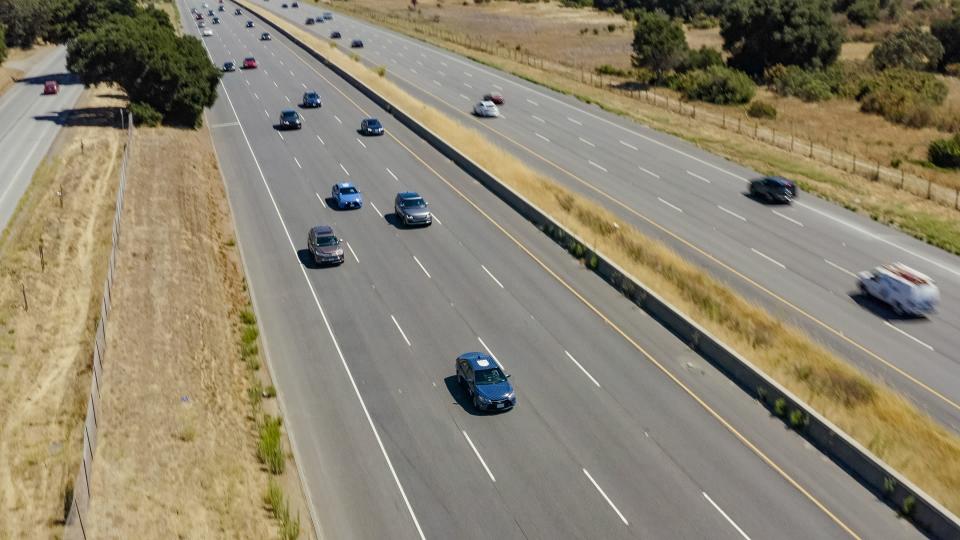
{"x": 422, "y": 267}
{"x": 583, "y": 369}
{"x": 725, "y": 516}
{"x": 391, "y": 174}
{"x": 788, "y": 218}
{"x": 494, "y": 278}
{"x": 477, "y": 453}
{"x": 401, "y": 330}
{"x": 769, "y": 258}
{"x": 732, "y": 213}
{"x": 323, "y": 202}
{"x": 651, "y": 173}
{"x": 326, "y": 322}
{"x": 375, "y": 208}
{"x": 675, "y": 207}
{"x": 840, "y": 268}
{"x": 908, "y": 335}
{"x": 615, "y": 509}
{"x": 354, "y": 253}
{"x": 541, "y": 136}
{"x": 697, "y": 176}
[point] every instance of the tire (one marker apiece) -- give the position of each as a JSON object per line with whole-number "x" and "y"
{"x": 898, "y": 309}
{"x": 863, "y": 289}
{"x": 459, "y": 379}
{"x": 476, "y": 403}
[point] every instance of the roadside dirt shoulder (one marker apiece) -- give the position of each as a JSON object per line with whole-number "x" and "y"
{"x": 177, "y": 454}
{"x": 47, "y": 317}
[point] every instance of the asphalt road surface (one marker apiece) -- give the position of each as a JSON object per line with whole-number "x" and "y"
{"x": 798, "y": 261}
{"x": 620, "y": 431}
{"x": 29, "y": 121}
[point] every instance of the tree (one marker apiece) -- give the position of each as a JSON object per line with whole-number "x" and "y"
{"x": 25, "y": 21}
{"x": 143, "y": 55}
{"x": 762, "y": 33}
{"x": 658, "y": 42}
{"x": 948, "y": 32}
{"x": 701, "y": 58}
{"x": 3, "y": 43}
{"x": 910, "y": 48}
{"x": 863, "y": 12}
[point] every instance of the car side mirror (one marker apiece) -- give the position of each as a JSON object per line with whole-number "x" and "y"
{"x": 509, "y": 375}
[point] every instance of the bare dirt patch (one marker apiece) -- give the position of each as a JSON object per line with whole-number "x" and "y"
{"x": 45, "y": 350}
{"x": 177, "y": 455}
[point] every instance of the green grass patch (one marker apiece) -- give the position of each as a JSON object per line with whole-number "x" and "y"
{"x": 270, "y": 444}
{"x": 288, "y": 528}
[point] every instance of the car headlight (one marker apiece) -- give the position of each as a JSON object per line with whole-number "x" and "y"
{"x": 511, "y": 395}
{"x": 482, "y": 399}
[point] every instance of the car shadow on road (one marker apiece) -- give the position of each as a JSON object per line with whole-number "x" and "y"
{"x": 878, "y": 308}
{"x": 307, "y": 260}
{"x": 461, "y": 396}
{"x": 86, "y": 116}
{"x": 62, "y": 79}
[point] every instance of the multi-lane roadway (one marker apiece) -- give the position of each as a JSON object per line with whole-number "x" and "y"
{"x": 798, "y": 261}
{"x": 29, "y": 122}
{"x": 620, "y": 431}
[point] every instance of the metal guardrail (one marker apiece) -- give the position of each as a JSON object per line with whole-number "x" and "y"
{"x": 879, "y": 477}
{"x": 79, "y": 496}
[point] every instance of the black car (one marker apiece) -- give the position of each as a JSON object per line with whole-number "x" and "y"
{"x": 773, "y": 189}
{"x": 356, "y": 44}
{"x": 238, "y": 11}
{"x": 265, "y": 36}
{"x": 334, "y": 35}
{"x": 284, "y": 5}
{"x": 295, "y": 5}
{"x": 249, "y": 24}
{"x": 310, "y": 20}
{"x": 290, "y": 119}
{"x": 371, "y": 126}
{"x": 311, "y": 100}
{"x": 229, "y": 66}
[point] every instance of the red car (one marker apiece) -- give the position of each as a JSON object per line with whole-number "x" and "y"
{"x": 51, "y": 87}
{"x": 249, "y": 63}
{"x": 198, "y": 17}
{"x": 496, "y": 98}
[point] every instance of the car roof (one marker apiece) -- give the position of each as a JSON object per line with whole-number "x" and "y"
{"x": 488, "y": 103}
{"x": 409, "y": 195}
{"x": 288, "y": 111}
{"x": 320, "y": 230}
{"x": 371, "y": 119}
{"x": 249, "y": 58}
{"x": 779, "y": 179}
{"x": 479, "y": 360}
{"x": 342, "y": 185}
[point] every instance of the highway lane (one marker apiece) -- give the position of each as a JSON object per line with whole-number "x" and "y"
{"x": 406, "y": 302}
{"x": 798, "y": 261}
{"x": 29, "y": 122}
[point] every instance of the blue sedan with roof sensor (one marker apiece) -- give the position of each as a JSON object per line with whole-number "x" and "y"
{"x": 346, "y": 195}
{"x": 485, "y": 382}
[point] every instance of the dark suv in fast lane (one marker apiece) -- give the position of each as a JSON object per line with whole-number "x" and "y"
{"x": 773, "y": 189}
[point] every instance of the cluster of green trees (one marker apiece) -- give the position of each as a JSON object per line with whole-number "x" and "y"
{"x": 167, "y": 77}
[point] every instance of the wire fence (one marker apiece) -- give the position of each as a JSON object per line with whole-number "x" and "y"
{"x": 78, "y": 496}
{"x": 739, "y": 122}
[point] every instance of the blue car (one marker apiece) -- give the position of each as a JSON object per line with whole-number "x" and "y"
{"x": 311, "y": 99}
{"x": 371, "y": 126}
{"x": 347, "y": 195}
{"x": 485, "y": 381}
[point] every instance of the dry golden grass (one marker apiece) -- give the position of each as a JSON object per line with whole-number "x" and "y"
{"x": 872, "y": 413}
{"x": 45, "y": 351}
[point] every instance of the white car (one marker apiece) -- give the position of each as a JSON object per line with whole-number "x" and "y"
{"x": 486, "y": 109}
{"x": 904, "y": 289}
{"x": 207, "y": 32}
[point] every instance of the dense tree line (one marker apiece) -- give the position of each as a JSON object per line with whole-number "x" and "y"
{"x": 167, "y": 77}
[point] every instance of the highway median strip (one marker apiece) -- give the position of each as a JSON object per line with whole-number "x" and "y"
{"x": 879, "y": 418}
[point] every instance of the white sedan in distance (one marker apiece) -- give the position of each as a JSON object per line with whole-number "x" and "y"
{"x": 486, "y": 109}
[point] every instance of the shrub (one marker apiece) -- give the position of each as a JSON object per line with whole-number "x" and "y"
{"x": 925, "y": 86}
{"x": 247, "y": 317}
{"x": 797, "y": 82}
{"x": 701, "y": 58}
{"x": 716, "y": 84}
{"x": 3, "y": 43}
{"x": 863, "y": 12}
{"x": 704, "y": 21}
{"x": 948, "y": 32}
{"x": 761, "y": 109}
{"x": 381, "y": 71}
{"x": 607, "y": 69}
{"x": 144, "y": 115}
{"x": 270, "y": 445}
{"x": 910, "y": 48}
{"x": 945, "y": 152}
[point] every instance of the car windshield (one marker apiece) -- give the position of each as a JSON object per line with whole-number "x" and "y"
{"x": 326, "y": 241}
{"x": 289, "y": 115}
{"x": 490, "y": 376}
{"x": 249, "y": 60}
{"x": 312, "y": 95}
{"x": 412, "y": 203}
{"x": 350, "y": 190}
{"x": 373, "y": 124}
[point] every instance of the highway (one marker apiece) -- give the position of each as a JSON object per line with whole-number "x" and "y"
{"x": 798, "y": 261}
{"x": 29, "y": 122}
{"x": 620, "y": 432}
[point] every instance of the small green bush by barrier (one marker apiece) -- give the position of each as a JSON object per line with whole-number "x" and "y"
{"x": 144, "y": 115}
{"x": 945, "y": 152}
{"x": 716, "y": 84}
{"x": 761, "y": 109}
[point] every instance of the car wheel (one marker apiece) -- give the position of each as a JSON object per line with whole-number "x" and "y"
{"x": 898, "y": 309}
{"x": 863, "y": 288}
{"x": 476, "y": 403}
{"x": 459, "y": 379}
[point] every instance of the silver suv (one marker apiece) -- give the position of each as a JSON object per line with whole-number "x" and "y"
{"x": 324, "y": 245}
{"x": 411, "y": 209}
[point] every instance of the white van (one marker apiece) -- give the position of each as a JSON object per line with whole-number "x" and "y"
{"x": 907, "y": 291}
